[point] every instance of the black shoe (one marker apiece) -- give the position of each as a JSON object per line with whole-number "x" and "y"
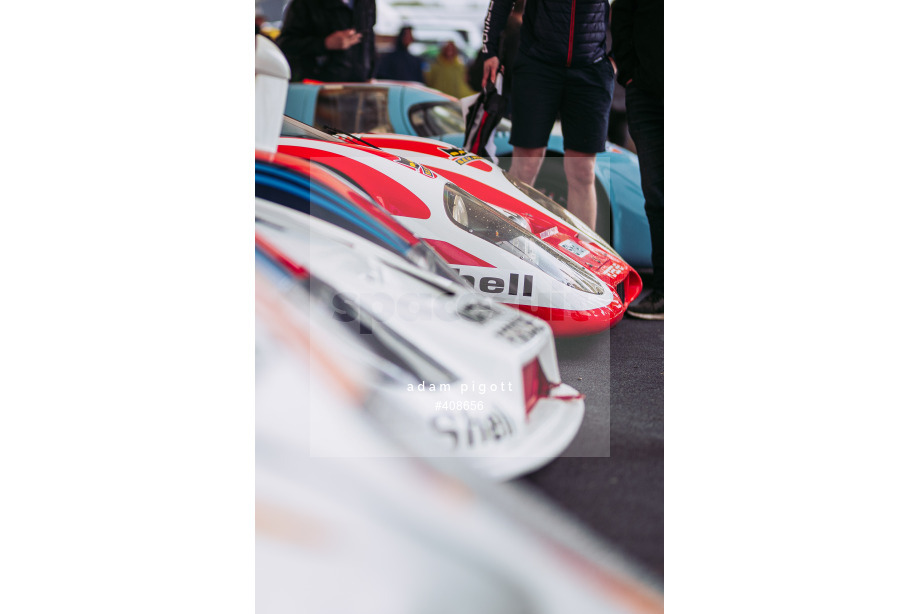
{"x": 649, "y": 308}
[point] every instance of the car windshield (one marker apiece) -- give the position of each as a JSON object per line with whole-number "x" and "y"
{"x": 353, "y": 109}
{"x": 292, "y": 127}
{"x": 433, "y": 119}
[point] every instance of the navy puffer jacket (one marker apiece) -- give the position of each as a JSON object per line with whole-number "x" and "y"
{"x": 561, "y": 32}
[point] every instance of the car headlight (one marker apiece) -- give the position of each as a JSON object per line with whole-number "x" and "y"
{"x": 520, "y": 220}
{"x": 458, "y": 211}
{"x": 480, "y": 220}
{"x": 559, "y": 211}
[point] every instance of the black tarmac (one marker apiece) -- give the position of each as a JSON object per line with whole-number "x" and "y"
{"x": 620, "y": 496}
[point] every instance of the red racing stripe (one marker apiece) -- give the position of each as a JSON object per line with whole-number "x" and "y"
{"x": 392, "y": 195}
{"x": 454, "y": 255}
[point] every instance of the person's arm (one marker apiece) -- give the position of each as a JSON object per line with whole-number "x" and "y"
{"x": 622, "y": 13}
{"x": 496, "y": 17}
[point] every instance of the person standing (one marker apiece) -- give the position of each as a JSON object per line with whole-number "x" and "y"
{"x": 329, "y": 40}
{"x": 637, "y": 32}
{"x": 562, "y": 68}
{"x": 447, "y": 72}
{"x": 399, "y": 64}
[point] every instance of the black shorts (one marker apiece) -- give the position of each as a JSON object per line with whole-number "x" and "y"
{"x": 580, "y": 95}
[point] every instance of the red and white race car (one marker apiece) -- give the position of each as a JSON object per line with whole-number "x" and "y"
{"x": 490, "y": 247}
{"x": 534, "y": 210}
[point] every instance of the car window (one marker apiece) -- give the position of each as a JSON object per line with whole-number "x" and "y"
{"x": 436, "y": 118}
{"x": 433, "y": 119}
{"x": 353, "y": 109}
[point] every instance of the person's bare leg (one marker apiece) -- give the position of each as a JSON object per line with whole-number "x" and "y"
{"x": 579, "y": 173}
{"x": 526, "y": 162}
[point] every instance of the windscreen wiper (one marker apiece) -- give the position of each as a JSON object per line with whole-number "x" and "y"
{"x": 336, "y": 132}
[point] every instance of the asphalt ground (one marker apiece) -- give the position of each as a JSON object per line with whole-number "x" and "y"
{"x": 620, "y": 496}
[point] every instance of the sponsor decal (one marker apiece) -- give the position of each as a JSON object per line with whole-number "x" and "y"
{"x": 473, "y": 430}
{"x": 476, "y": 311}
{"x": 515, "y": 285}
{"x": 519, "y": 330}
{"x": 549, "y": 232}
{"x": 613, "y": 270}
{"x": 460, "y": 156}
{"x": 574, "y": 248}
{"x": 424, "y": 170}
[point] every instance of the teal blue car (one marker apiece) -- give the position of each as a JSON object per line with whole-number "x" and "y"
{"x": 415, "y": 110}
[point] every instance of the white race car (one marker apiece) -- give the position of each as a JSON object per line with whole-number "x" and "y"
{"x": 477, "y": 379}
{"x": 499, "y": 257}
{"x": 392, "y": 533}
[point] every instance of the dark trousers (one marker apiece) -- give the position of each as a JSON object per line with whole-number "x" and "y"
{"x": 645, "y": 114}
